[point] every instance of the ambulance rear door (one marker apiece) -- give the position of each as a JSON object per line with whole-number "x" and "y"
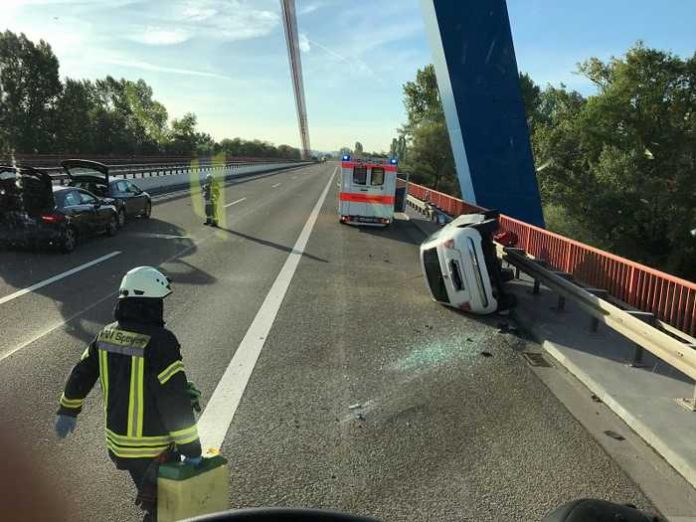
{"x": 380, "y": 188}
{"x": 356, "y": 191}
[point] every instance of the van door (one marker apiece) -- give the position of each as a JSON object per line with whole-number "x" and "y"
{"x": 359, "y": 187}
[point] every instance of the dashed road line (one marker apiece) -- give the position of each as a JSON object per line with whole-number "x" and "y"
{"x": 235, "y": 202}
{"x": 57, "y": 277}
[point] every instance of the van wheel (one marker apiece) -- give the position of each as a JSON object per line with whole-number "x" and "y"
{"x": 68, "y": 241}
{"x": 112, "y": 227}
{"x": 121, "y": 218}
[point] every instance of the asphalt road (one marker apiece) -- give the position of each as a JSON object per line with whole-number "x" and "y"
{"x": 366, "y": 397}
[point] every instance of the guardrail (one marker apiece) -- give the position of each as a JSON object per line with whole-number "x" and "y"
{"x": 669, "y": 298}
{"x": 637, "y": 326}
{"x": 143, "y": 170}
{"x": 53, "y": 160}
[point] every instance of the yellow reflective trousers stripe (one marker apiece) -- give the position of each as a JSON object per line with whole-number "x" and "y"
{"x": 170, "y": 371}
{"x": 135, "y": 397}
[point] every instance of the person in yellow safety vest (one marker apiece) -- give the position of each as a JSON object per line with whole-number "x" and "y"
{"x": 211, "y": 195}
{"x": 147, "y": 399}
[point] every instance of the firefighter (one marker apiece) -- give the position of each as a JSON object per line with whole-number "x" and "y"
{"x": 147, "y": 399}
{"x": 211, "y": 194}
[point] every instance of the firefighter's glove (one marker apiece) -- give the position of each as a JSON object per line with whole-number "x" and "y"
{"x": 193, "y": 461}
{"x": 65, "y": 425}
{"x": 194, "y": 395}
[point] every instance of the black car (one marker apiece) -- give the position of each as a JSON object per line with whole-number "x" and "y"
{"x": 93, "y": 176}
{"x": 33, "y": 211}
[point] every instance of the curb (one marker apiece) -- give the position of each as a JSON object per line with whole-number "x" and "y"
{"x": 649, "y": 436}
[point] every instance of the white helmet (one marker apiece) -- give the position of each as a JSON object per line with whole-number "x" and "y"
{"x": 144, "y": 281}
{"x": 209, "y": 177}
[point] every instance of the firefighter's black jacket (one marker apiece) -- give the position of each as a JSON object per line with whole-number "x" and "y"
{"x": 139, "y": 365}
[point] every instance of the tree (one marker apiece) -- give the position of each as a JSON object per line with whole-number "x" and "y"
{"x": 358, "y": 148}
{"x": 183, "y": 138}
{"x": 623, "y": 163}
{"x": 75, "y": 111}
{"x": 429, "y": 156}
{"x": 422, "y": 99}
{"x": 29, "y": 91}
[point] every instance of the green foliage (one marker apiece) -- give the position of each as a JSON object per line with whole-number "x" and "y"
{"x": 622, "y": 163}
{"x": 616, "y": 169}
{"x": 29, "y": 92}
{"x": 40, "y": 114}
{"x": 423, "y": 146}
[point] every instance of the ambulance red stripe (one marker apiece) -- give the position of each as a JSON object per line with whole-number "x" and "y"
{"x": 351, "y": 164}
{"x": 366, "y": 198}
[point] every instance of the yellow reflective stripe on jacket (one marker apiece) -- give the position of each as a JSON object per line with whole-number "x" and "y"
{"x": 170, "y": 371}
{"x": 136, "y": 453}
{"x": 85, "y": 354}
{"x": 125, "y": 441}
{"x": 71, "y": 403}
{"x": 104, "y": 377}
{"x": 186, "y": 435}
{"x": 135, "y": 397}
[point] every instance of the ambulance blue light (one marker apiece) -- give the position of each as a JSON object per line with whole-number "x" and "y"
{"x": 392, "y": 161}
{"x": 346, "y": 157}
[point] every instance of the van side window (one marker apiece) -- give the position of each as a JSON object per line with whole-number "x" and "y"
{"x": 359, "y": 175}
{"x": 377, "y": 177}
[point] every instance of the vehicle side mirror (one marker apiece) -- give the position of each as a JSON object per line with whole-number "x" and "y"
{"x": 98, "y": 204}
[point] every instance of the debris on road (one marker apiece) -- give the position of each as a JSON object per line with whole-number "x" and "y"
{"x": 614, "y": 435}
{"x": 355, "y": 406}
{"x": 487, "y": 354}
{"x": 507, "y": 328}
{"x": 595, "y": 398}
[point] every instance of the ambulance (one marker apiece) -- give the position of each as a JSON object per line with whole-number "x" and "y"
{"x": 368, "y": 191}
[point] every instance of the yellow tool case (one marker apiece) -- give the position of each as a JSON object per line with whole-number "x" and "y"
{"x": 184, "y": 491}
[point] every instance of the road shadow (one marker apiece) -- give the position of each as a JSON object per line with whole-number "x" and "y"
{"x": 88, "y": 302}
{"x": 400, "y": 230}
{"x": 270, "y": 244}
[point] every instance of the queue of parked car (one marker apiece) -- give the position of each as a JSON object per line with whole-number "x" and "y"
{"x": 36, "y": 212}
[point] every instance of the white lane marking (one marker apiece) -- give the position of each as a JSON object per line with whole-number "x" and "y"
{"x": 235, "y": 202}
{"x": 276, "y": 185}
{"x": 162, "y": 198}
{"x": 58, "y": 277}
{"x": 217, "y": 417}
{"x": 55, "y": 327}
{"x": 194, "y": 244}
{"x": 156, "y": 236}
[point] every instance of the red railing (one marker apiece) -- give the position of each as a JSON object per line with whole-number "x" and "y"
{"x": 669, "y": 298}
{"x": 447, "y": 204}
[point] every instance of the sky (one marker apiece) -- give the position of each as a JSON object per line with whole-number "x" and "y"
{"x": 226, "y": 60}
